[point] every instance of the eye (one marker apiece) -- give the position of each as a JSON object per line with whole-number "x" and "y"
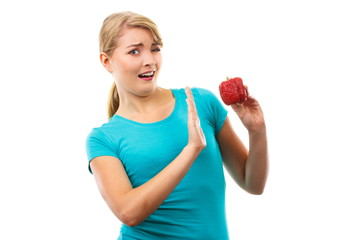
{"x": 156, "y": 49}
{"x": 134, "y": 52}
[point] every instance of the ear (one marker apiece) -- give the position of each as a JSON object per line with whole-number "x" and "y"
{"x": 105, "y": 61}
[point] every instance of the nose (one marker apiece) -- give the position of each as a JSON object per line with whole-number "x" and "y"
{"x": 149, "y": 60}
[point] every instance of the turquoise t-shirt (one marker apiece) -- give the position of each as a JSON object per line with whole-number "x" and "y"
{"x": 196, "y": 208}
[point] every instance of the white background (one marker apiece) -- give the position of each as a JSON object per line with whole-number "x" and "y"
{"x": 300, "y": 59}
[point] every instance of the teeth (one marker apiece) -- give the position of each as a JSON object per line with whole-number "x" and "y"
{"x": 147, "y": 74}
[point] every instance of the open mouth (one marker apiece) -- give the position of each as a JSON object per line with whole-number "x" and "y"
{"x": 147, "y": 75}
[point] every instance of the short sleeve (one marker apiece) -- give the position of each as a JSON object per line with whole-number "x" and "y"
{"x": 98, "y": 144}
{"x": 217, "y": 111}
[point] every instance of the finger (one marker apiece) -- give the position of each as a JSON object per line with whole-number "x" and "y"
{"x": 191, "y": 108}
{"x": 251, "y": 102}
{"x": 191, "y": 115}
{"x": 192, "y": 111}
{"x": 191, "y": 102}
{"x": 189, "y": 98}
{"x": 237, "y": 107}
{"x": 189, "y": 93}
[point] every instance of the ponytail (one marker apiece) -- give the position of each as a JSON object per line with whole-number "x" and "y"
{"x": 113, "y": 102}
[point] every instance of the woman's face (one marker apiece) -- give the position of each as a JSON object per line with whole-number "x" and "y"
{"x": 136, "y": 62}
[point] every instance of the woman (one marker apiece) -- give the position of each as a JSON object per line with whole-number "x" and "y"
{"x": 158, "y": 161}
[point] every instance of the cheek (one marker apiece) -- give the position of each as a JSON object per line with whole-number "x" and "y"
{"x": 127, "y": 66}
{"x": 158, "y": 60}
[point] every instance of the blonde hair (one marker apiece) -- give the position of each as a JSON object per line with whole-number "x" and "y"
{"x": 109, "y": 35}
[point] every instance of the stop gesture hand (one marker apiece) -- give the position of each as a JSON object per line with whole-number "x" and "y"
{"x": 196, "y": 135}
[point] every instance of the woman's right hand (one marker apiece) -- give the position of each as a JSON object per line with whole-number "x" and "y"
{"x": 133, "y": 205}
{"x": 197, "y": 138}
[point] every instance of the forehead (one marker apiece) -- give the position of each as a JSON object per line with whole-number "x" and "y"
{"x": 135, "y": 35}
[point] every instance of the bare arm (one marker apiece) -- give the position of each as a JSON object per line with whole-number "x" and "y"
{"x": 133, "y": 205}
{"x": 249, "y": 169}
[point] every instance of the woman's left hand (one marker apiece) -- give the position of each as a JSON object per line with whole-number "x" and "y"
{"x": 249, "y": 168}
{"x": 250, "y": 114}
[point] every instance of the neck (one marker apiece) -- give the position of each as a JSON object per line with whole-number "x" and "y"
{"x": 132, "y": 104}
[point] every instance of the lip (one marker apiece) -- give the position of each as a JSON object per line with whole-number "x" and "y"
{"x": 148, "y": 78}
{"x": 147, "y": 72}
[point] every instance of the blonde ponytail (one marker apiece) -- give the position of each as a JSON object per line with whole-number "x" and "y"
{"x": 113, "y": 102}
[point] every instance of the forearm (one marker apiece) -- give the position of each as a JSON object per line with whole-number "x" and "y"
{"x": 142, "y": 201}
{"x": 256, "y": 169}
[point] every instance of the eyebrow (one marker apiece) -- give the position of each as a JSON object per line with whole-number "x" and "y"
{"x": 141, "y": 44}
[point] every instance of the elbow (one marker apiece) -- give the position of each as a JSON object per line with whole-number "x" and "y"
{"x": 130, "y": 218}
{"x": 256, "y": 186}
{"x": 129, "y": 212}
{"x": 131, "y": 222}
{"x": 256, "y": 191}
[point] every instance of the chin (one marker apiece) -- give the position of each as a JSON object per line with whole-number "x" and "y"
{"x": 147, "y": 89}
